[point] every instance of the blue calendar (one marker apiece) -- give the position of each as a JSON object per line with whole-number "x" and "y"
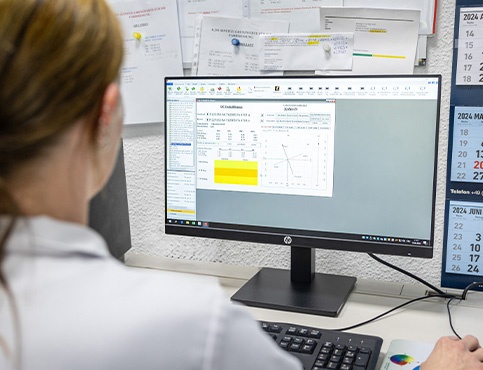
{"x": 463, "y": 229}
{"x": 467, "y": 159}
{"x": 464, "y": 239}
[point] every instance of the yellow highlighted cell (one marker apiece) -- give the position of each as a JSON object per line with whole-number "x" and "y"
{"x": 313, "y": 42}
{"x": 236, "y": 172}
{"x": 183, "y": 211}
{"x": 219, "y": 163}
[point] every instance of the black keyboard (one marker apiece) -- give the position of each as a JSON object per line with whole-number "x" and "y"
{"x": 321, "y": 349}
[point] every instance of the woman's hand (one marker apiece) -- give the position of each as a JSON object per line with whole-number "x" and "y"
{"x": 452, "y": 353}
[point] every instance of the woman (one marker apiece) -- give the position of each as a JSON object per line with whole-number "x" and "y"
{"x": 65, "y": 303}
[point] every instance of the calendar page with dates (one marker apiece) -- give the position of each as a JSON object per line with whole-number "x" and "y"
{"x": 469, "y": 69}
{"x": 463, "y": 235}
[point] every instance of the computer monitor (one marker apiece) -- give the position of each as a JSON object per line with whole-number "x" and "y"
{"x": 332, "y": 162}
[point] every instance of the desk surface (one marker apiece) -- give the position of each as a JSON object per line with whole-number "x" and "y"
{"x": 424, "y": 321}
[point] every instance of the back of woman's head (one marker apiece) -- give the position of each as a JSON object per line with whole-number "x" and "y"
{"x": 56, "y": 59}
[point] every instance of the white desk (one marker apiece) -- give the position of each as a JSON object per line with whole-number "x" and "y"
{"x": 422, "y": 321}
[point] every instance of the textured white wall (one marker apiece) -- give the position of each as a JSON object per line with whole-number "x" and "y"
{"x": 143, "y": 145}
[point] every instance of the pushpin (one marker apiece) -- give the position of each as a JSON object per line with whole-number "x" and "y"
{"x": 136, "y": 35}
{"x": 235, "y": 42}
{"x": 326, "y": 48}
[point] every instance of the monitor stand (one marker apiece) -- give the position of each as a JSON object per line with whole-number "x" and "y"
{"x": 299, "y": 289}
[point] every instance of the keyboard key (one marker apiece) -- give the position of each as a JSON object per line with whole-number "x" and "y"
{"x": 294, "y": 347}
{"x": 350, "y": 354}
{"x": 292, "y": 330}
{"x": 361, "y": 359}
{"x": 303, "y": 332}
{"x": 319, "y": 363}
{"x": 338, "y": 352}
{"x": 307, "y": 349}
{"x": 275, "y": 328}
{"x": 315, "y": 334}
{"x": 311, "y": 342}
{"x": 323, "y": 357}
{"x": 284, "y": 345}
{"x": 347, "y": 360}
{"x": 326, "y": 350}
{"x": 335, "y": 358}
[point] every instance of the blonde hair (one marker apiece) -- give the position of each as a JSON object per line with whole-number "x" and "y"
{"x": 57, "y": 57}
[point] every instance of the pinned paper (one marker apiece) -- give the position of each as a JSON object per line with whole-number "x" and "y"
{"x": 385, "y": 40}
{"x": 189, "y": 10}
{"x": 283, "y": 52}
{"x": 303, "y": 15}
{"x": 152, "y": 51}
{"x": 231, "y": 46}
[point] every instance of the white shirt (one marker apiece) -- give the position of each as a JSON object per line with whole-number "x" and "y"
{"x": 79, "y": 308}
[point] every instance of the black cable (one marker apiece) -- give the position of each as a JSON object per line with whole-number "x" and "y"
{"x": 472, "y": 285}
{"x": 450, "y": 318}
{"x": 450, "y": 298}
{"x": 439, "y": 294}
{"x": 422, "y": 281}
{"x": 444, "y": 295}
{"x": 463, "y": 297}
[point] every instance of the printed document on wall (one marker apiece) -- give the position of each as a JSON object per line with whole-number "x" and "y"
{"x": 427, "y": 8}
{"x": 152, "y": 51}
{"x": 303, "y": 15}
{"x": 231, "y": 46}
{"x": 385, "y": 40}
{"x": 301, "y": 51}
{"x": 189, "y": 9}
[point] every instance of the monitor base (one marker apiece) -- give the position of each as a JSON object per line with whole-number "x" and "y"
{"x": 273, "y": 288}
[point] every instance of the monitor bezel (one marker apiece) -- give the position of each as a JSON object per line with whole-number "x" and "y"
{"x": 291, "y": 239}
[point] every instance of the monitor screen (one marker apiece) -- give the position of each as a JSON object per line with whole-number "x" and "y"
{"x": 333, "y": 162}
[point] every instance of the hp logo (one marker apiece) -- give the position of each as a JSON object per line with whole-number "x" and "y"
{"x": 287, "y": 240}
